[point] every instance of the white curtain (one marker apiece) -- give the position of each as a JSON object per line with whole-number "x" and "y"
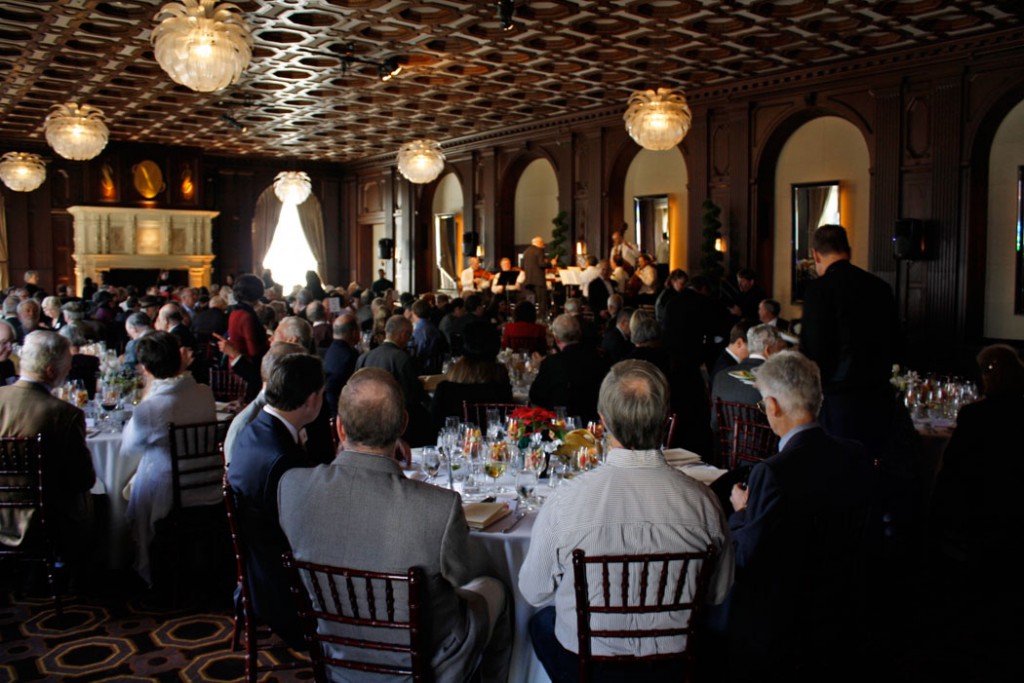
{"x": 269, "y": 218}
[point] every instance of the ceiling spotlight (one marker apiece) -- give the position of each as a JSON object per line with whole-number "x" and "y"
{"x": 234, "y": 123}
{"x": 21, "y": 171}
{"x": 386, "y": 69}
{"x": 506, "y": 12}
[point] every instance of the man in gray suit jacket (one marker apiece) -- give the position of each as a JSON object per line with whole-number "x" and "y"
{"x": 762, "y": 341}
{"x": 362, "y": 512}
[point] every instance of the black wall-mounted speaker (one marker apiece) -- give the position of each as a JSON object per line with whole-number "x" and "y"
{"x": 470, "y": 240}
{"x": 908, "y": 241}
{"x": 385, "y": 248}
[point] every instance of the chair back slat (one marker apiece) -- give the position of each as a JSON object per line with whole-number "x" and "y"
{"x": 22, "y": 481}
{"x": 325, "y": 627}
{"x": 727, "y": 413}
{"x": 227, "y": 386}
{"x": 197, "y": 458}
{"x": 477, "y": 412}
{"x": 670, "y": 430}
{"x": 752, "y": 442}
{"x": 691, "y": 574}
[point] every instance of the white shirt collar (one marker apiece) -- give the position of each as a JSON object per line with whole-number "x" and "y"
{"x": 291, "y": 428}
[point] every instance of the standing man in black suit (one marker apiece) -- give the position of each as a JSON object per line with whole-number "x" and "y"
{"x": 340, "y": 359}
{"x": 268, "y": 447}
{"x": 855, "y": 356}
{"x": 600, "y": 289}
{"x": 534, "y": 265}
{"x": 572, "y": 377}
{"x": 799, "y": 533}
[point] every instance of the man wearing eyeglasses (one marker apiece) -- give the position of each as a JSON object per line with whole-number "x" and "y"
{"x": 799, "y": 532}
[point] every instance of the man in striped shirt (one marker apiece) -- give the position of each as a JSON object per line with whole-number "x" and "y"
{"x": 634, "y": 504}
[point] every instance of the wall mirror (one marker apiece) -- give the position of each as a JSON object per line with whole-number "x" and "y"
{"x": 445, "y": 241}
{"x": 814, "y": 204}
{"x": 651, "y": 214}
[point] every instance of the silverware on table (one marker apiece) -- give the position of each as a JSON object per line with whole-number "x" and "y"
{"x": 519, "y": 517}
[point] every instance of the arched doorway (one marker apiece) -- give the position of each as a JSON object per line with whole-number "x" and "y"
{"x": 445, "y": 228}
{"x": 652, "y": 175}
{"x": 528, "y": 201}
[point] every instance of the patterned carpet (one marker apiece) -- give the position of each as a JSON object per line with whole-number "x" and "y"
{"x": 120, "y": 639}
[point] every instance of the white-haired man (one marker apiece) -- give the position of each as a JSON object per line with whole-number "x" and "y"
{"x": 534, "y": 265}
{"x": 734, "y": 386}
{"x": 26, "y": 409}
{"x": 634, "y": 504}
{"x": 799, "y": 529}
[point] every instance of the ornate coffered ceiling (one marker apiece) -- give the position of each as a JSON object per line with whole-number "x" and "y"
{"x": 462, "y": 73}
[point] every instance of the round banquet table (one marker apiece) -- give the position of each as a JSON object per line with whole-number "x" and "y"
{"x": 113, "y": 471}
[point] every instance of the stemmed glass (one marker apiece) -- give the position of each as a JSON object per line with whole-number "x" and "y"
{"x": 496, "y": 461}
{"x": 109, "y": 398}
{"x": 431, "y": 462}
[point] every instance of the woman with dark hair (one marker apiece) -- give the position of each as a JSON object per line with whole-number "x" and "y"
{"x": 314, "y": 286}
{"x": 477, "y": 377}
{"x": 525, "y": 334}
{"x": 244, "y": 329}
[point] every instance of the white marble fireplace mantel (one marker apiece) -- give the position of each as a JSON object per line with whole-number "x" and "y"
{"x": 108, "y": 237}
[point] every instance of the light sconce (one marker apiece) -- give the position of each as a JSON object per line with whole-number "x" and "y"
{"x": 720, "y": 245}
{"x": 202, "y": 45}
{"x": 21, "y": 171}
{"x": 292, "y": 187}
{"x": 76, "y": 132}
{"x": 386, "y": 69}
{"x": 421, "y": 161}
{"x": 506, "y": 12}
{"x": 657, "y": 120}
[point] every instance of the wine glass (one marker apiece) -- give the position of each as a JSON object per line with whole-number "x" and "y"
{"x": 431, "y": 462}
{"x": 526, "y": 484}
{"x": 108, "y": 398}
{"x": 496, "y": 461}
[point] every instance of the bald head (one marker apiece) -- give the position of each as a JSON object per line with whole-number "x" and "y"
{"x": 346, "y": 328}
{"x": 371, "y": 411}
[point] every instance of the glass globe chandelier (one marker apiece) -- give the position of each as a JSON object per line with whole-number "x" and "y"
{"x": 22, "y": 172}
{"x": 657, "y": 120}
{"x": 76, "y": 132}
{"x": 421, "y": 160}
{"x": 292, "y": 187}
{"x": 202, "y": 45}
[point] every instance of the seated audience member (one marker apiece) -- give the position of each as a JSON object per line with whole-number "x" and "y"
{"x": 571, "y": 377}
{"x": 600, "y": 289}
{"x": 338, "y": 514}
{"x": 635, "y": 504}
{"x": 316, "y": 315}
{"x": 211, "y": 320}
{"x": 762, "y": 342}
{"x": 51, "y": 309}
{"x": 428, "y": 345}
{"x": 477, "y": 377}
{"x": 972, "y": 521}
{"x": 799, "y": 532}
{"x": 11, "y": 312}
{"x": 525, "y": 334}
{"x": 319, "y": 440}
{"x": 137, "y": 325}
{"x": 392, "y": 356}
{"x": 736, "y": 351}
{"x": 645, "y": 334}
{"x": 171, "y": 319}
{"x": 84, "y": 367}
{"x": 172, "y": 396}
{"x": 8, "y": 338}
{"x": 29, "y": 315}
{"x": 26, "y": 409}
{"x": 588, "y": 329}
{"x": 452, "y": 323}
{"x": 267, "y": 447}
{"x": 340, "y": 359}
{"x": 768, "y": 313}
{"x": 75, "y": 313}
{"x": 615, "y": 343}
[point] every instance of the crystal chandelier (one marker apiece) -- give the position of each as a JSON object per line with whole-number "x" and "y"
{"x": 420, "y": 160}
{"x": 292, "y": 187}
{"x": 22, "y": 172}
{"x": 657, "y": 120}
{"x": 76, "y": 132}
{"x": 201, "y": 45}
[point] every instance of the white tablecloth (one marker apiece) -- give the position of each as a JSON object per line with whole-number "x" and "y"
{"x": 113, "y": 470}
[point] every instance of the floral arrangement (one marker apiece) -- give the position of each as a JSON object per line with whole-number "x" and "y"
{"x": 526, "y": 422}
{"x": 902, "y": 381}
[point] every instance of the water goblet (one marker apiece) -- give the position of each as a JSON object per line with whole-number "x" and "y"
{"x": 526, "y": 485}
{"x": 431, "y": 462}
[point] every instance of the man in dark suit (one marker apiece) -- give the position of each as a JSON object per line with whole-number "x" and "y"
{"x": 572, "y": 377}
{"x": 799, "y": 532}
{"x": 211, "y": 319}
{"x": 736, "y": 351}
{"x": 172, "y": 320}
{"x": 534, "y": 265}
{"x": 749, "y": 294}
{"x": 600, "y": 289}
{"x": 268, "y": 447}
{"x": 762, "y": 342}
{"x": 340, "y": 359}
{"x": 615, "y": 344}
{"x": 361, "y": 512}
{"x": 851, "y": 330}
{"x": 392, "y": 356}
{"x": 768, "y": 313}
{"x": 316, "y": 314}
{"x": 28, "y": 409}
